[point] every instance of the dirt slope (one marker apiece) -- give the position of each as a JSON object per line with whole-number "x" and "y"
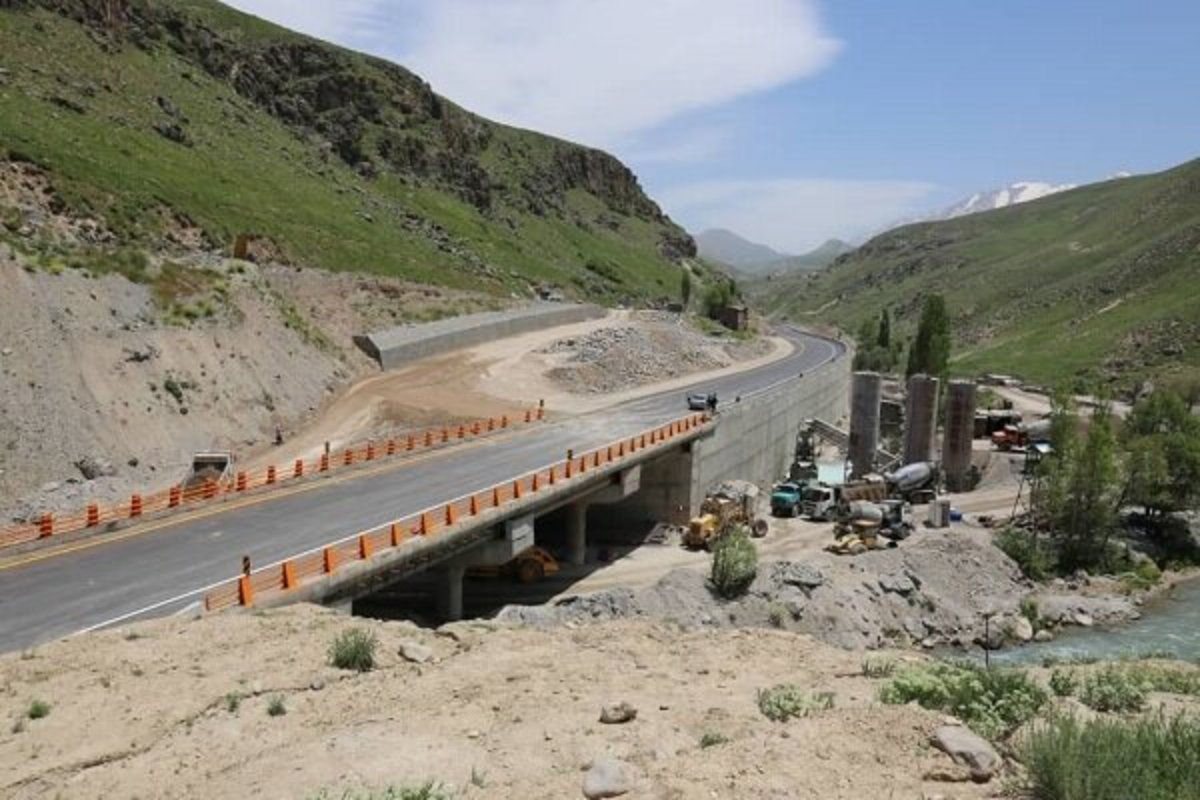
{"x": 146, "y": 714}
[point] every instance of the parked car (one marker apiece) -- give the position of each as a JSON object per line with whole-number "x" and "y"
{"x": 697, "y": 401}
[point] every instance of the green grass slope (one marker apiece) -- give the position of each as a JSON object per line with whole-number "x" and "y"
{"x": 1096, "y": 285}
{"x": 148, "y": 112}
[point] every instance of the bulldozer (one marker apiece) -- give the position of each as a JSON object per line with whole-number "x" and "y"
{"x": 721, "y": 510}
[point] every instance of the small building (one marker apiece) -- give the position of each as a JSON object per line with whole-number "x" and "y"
{"x": 735, "y": 317}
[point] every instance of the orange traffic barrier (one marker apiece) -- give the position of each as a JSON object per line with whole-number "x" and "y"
{"x": 324, "y": 464}
{"x": 271, "y": 475}
{"x": 370, "y": 451}
{"x": 426, "y": 524}
{"x": 289, "y": 575}
{"x": 536, "y": 485}
{"x": 93, "y": 515}
{"x": 328, "y": 560}
{"x": 553, "y": 474}
{"x": 298, "y": 468}
{"x": 451, "y": 515}
{"x": 245, "y": 591}
{"x": 348, "y": 458}
{"x": 496, "y": 497}
{"x": 570, "y": 468}
{"x": 491, "y": 424}
{"x": 517, "y": 489}
{"x": 175, "y": 497}
{"x": 46, "y": 525}
{"x": 474, "y": 505}
{"x": 135, "y": 505}
{"x": 364, "y": 547}
{"x": 397, "y": 534}
{"x": 475, "y": 429}
{"x": 241, "y": 482}
{"x": 596, "y": 455}
{"x": 445, "y": 435}
{"x": 504, "y": 421}
{"x": 528, "y": 416}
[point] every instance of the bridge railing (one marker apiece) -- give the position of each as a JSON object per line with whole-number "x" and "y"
{"x": 182, "y": 496}
{"x": 289, "y": 575}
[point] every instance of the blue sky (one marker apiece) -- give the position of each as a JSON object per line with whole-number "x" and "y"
{"x": 792, "y": 121}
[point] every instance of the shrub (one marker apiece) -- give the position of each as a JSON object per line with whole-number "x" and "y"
{"x": 1159, "y": 679}
{"x": 38, "y": 709}
{"x": 1031, "y": 612}
{"x": 1034, "y": 556}
{"x": 1145, "y": 575}
{"x": 776, "y": 615}
{"x": 354, "y": 649}
{"x": 993, "y": 702}
{"x": 878, "y": 667}
{"x": 276, "y": 707}
{"x": 232, "y": 701}
{"x": 428, "y": 791}
{"x": 1063, "y": 683}
{"x": 1113, "y": 759}
{"x": 712, "y": 739}
{"x": 1112, "y": 689}
{"x": 781, "y": 703}
{"x": 734, "y": 563}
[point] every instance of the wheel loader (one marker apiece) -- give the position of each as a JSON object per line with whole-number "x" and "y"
{"x": 721, "y": 511}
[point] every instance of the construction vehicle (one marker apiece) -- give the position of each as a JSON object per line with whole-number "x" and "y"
{"x": 822, "y": 501}
{"x": 729, "y": 505}
{"x": 1019, "y": 437}
{"x": 210, "y": 466}
{"x": 914, "y": 483}
{"x": 787, "y": 499}
{"x": 863, "y": 526}
{"x": 529, "y": 566}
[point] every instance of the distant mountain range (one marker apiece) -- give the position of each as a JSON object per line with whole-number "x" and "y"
{"x": 732, "y": 250}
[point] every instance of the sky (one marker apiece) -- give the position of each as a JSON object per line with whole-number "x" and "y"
{"x": 795, "y": 121}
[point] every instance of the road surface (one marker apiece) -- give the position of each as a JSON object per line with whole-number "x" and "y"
{"x": 131, "y": 575}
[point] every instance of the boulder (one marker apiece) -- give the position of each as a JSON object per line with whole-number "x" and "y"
{"x": 415, "y": 652}
{"x": 93, "y": 467}
{"x": 968, "y": 749}
{"x": 897, "y": 583}
{"x": 618, "y": 713}
{"x": 1021, "y": 628}
{"x": 607, "y": 777}
{"x": 1044, "y": 635}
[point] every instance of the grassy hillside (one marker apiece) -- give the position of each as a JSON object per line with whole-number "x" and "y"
{"x": 1096, "y": 285}
{"x": 147, "y": 114}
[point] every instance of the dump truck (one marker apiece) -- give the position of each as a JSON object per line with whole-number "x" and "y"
{"x": 209, "y": 466}
{"x": 729, "y": 505}
{"x": 822, "y": 501}
{"x": 1017, "y": 437}
{"x": 914, "y": 483}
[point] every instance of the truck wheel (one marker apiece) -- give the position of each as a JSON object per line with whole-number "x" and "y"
{"x": 530, "y": 571}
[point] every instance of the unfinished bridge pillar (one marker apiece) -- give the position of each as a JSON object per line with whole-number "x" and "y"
{"x": 866, "y": 392}
{"x": 577, "y": 533}
{"x": 450, "y": 592}
{"x": 960, "y": 430}
{"x": 920, "y": 418}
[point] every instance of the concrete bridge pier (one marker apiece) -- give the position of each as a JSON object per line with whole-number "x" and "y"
{"x": 450, "y": 591}
{"x": 577, "y": 533}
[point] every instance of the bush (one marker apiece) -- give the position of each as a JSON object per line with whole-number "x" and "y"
{"x": 1113, "y": 759}
{"x": 38, "y": 709}
{"x": 878, "y": 667}
{"x": 712, "y": 739}
{"x": 1145, "y": 575}
{"x": 1034, "y": 556}
{"x": 993, "y": 702}
{"x": 276, "y": 707}
{"x": 1112, "y": 689}
{"x": 233, "y": 701}
{"x": 1031, "y": 612}
{"x": 354, "y": 649}
{"x": 781, "y": 703}
{"x": 1063, "y": 683}
{"x": 734, "y": 563}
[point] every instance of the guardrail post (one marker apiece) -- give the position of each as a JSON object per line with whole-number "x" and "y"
{"x": 174, "y": 497}
{"x": 93, "y": 515}
{"x": 474, "y": 505}
{"x": 364, "y": 546}
{"x": 426, "y": 524}
{"x": 245, "y": 591}
{"x": 553, "y": 474}
{"x": 329, "y": 560}
{"x": 496, "y": 497}
{"x": 597, "y": 457}
{"x": 45, "y": 526}
{"x": 397, "y": 534}
{"x": 570, "y": 467}
{"x": 289, "y": 576}
{"x": 135, "y": 505}
{"x": 517, "y": 489}
{"x": 271, "y": 475}
{"x": 451, "y": 514}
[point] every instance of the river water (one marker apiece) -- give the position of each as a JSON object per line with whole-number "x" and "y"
{"x": 1170, "y": 624}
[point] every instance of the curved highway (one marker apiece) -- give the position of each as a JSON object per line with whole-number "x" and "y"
{"x": 133, "y": 575}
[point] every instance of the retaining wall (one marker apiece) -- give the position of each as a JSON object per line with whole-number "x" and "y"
{"x": 396, "y": 347}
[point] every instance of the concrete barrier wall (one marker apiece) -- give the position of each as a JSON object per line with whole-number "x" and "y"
{"x": 397, "y": 347}
{"x": 755, "y": 439}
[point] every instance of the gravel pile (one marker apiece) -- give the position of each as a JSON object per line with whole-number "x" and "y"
{"x": 613, "y": 359}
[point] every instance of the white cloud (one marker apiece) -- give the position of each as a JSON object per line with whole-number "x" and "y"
{"x": 599, "y": 72}
{"x": 794, "y": 214}
{"x": 344, "y": 22}
{"x": 689, "y": 146}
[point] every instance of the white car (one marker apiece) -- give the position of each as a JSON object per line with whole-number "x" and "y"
{"x": 697, "y": 401}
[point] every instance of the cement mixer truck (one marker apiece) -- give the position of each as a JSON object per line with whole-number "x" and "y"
{"x": 914, "y": 483}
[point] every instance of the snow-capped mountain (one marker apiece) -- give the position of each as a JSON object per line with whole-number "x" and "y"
{"x": 1010, "y": 195}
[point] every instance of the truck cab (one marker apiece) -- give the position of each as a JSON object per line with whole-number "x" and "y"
{"x": 820, "y": 502}
{"x": 787, "y": 499}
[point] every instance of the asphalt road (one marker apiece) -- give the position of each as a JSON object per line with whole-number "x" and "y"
{"x": 168, "y": 570}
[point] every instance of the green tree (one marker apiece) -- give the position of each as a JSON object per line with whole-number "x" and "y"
{"x": 685, "y": 287}
{"x": 1086, "y": 521}
{"x": 885, "y": 331}
{"x": 1163, "y": 441}
{"x": 930, "y": 351}
{"x": 716, "y": 297}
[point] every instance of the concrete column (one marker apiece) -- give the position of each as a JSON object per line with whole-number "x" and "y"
{"x": 577, "y": 533}
{"x": 450, "y": 592}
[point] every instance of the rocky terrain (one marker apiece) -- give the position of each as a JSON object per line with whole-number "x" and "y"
{"x": 489, "y": 710}
{"x": 931, "y": 591}
{"x": 659, "y": 348}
